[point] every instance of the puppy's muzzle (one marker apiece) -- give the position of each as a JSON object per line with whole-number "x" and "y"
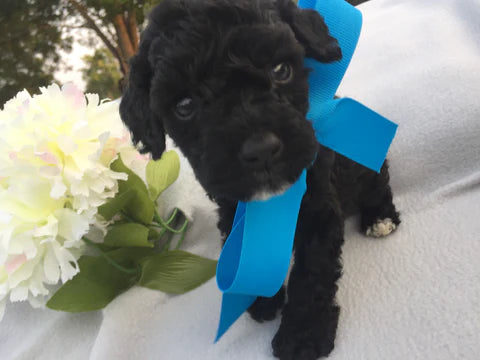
{"x": 260, "y": 151}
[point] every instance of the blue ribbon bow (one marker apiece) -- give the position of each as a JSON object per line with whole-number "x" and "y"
{"x": 256, "y": 256}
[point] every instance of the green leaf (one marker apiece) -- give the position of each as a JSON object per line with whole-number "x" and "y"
{"x": 176, "y": 271}
{"x": 129, "y": 234}
{"x": 130, "y": 256}
{"x": 117, "y": 204}
{"x": 133, "y": 181}
{"x": 162, "y": 173}
{"x": 98, "y": 282}
{"x": 153, "y": 234}
{"x": 92, "y": 288}
{"x": 106, "y": 248}
{"x": 140, "y": 207}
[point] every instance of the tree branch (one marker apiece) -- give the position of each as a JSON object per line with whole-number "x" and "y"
{"x": 105, "y": 25}
{"x": 123, "y": 37}
{"x": 133, "y": 29}
{"x": 83, "y": 11}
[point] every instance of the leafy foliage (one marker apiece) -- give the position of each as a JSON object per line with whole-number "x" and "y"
{"x": 162, "y": 173}
{"x": 176, "y": 272}
{"x": 131, "y": 253}
{"x": 115, "y": 22}
{"x": 113, "y": 7}
{"x": 31, "y": 38}
{"x": 140, "y": 207}
{"x": 92, "y": 288}
{"x": 101, "y": 74}
{"x": 33, "y": 32}
{"x": 129, "y": 234}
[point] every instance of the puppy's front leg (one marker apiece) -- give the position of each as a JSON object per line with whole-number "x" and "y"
{"x": 310, "y": 317}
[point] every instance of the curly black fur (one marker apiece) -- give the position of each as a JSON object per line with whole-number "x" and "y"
{"x": 220, "y": 54}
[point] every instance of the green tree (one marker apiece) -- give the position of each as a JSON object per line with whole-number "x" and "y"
{"x": 101, "y": 74}
{"x": 115, "y": 22}
{"x": 33, "y": 32}
{"x": 31, "y": 36}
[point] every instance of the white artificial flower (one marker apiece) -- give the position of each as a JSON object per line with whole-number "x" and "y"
{"x": 55, "y": 153}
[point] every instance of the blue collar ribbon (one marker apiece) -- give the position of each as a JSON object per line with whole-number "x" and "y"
{"x": 256, "y": 256}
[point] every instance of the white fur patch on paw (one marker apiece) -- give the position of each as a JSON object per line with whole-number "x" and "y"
{"x": 381, "y": 228}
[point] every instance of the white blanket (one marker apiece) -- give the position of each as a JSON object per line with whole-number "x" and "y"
{"x": 414, "y": 295}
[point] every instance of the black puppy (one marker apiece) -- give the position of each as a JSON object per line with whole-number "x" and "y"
{"x": 226, "y": 80}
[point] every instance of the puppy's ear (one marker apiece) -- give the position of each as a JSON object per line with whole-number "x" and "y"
{"x": 311, "y": 31}
{"x": 135, "y": 109}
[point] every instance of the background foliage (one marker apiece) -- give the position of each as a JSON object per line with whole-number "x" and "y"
{"x": 33, "y": 32}
{"x": 30, "y": 39}
{"x": 101, "y": 74}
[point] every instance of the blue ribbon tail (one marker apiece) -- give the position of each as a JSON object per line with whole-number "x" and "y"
{"x": 233, "y": 306}
{"x": 259, "y": 228}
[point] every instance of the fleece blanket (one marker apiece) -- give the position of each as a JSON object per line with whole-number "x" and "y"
{"x": 413, "y": 295}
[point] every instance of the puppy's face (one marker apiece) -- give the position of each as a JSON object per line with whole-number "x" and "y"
{"x": 225, "y": 79}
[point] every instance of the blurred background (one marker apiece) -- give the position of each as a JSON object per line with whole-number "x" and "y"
{"x": 88, "y": 42}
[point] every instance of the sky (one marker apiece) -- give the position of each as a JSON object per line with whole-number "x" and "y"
{"x": 74, "y": 60}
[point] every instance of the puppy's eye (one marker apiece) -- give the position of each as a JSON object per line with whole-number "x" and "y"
{"x": 282, "y": 73}
{"x": 185, "y": 108}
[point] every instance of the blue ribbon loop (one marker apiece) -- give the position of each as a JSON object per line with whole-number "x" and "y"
{"x": 256, "y": 256}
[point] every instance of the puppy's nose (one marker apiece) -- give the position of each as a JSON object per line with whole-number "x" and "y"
{"x": 260, "y": 149}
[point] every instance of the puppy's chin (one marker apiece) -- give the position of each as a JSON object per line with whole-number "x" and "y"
{"x": 266, "y": 194}
{"x": 254, "y": 192}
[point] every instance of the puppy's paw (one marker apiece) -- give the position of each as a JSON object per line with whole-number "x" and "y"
{"x": 266, "y": 309}
{"x": 381, "y": 228}
{"x": 308, "y": 340}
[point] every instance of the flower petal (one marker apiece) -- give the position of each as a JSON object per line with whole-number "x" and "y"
{"x": 58, "y": 189}
{"x": 3, "y": 275}
{"x": 49, "y": 229}
{"x": 14, "y": 263}
{"x": 66, "y": 259}
{"x": 5, "y": 217}
{"x": 48, "y": 157}
{"x": 23, "y": 273}
{"x": 51, "y": 266}
{"x": 71, "y": 226}
{"x": 66, "y": 144}
{"x": 20, "y": 293}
